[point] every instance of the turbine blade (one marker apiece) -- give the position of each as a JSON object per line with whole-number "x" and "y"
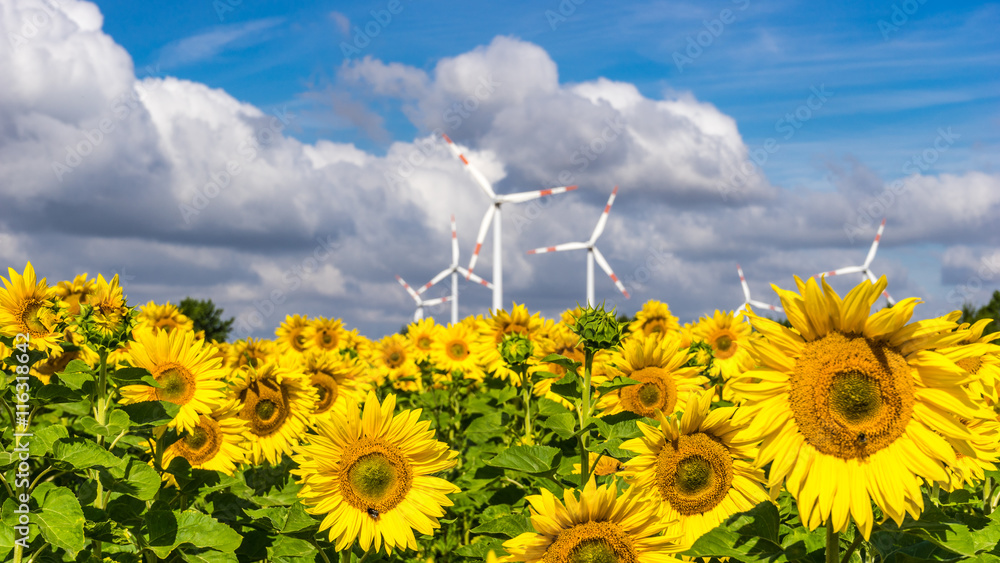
{"x": 473, "y": 277}
{"x": 607, "y": 269}
{"x": 871, "y": 251}
{"x": 442, "y": 275}
{"x": 763, "y": 305}
{"x": 484, "y": 228}
{"x": 743, "y": 282}
{"x": 527, "y": 196}
{"x": 476, "y": 175}
{"x": 437, "y": 301}
{"x": 408, "y": 289}
{"x": 454, "y": 242}
{"x": 604, "y": 217}
{"x": 560, "y": 248}
{"x": 842, "y": 271}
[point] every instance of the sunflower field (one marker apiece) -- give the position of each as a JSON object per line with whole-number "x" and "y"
{"x": 843, "y": 435}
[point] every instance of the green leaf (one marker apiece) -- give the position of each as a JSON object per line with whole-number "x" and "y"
{"x": 562, "y": 361}
{"x": 751, "y": 536}
{"x": 117, "y": 422}
{"x": 151, "y": 413}
{"x": 288, "y": 547}
{"x": 207, "y": 556}
{"x": 616, "y": 383}
{"x": 133, "y": 376}
{"x": 511, "y": 526}
{"x": 45, "y": 437}
{"x": 82, "y": 453}
{"x": 168, "y": 530}
{"x": 55, "y": 393}
{"x": 564, "y": 425}
{"x": 59, "y": 518}
{"x": 480, "y": 546}
{"x": 530, "y": 459}
{"x": 485, "y": 427}
{"x": 77, "y": 373}
{"x": 137, "y": 479}
{"x": 568, "y": 387}
{"x": 964, "y": 534}
{"x": 548, "y": 407}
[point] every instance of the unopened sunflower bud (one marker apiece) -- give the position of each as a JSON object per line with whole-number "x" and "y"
{"x": 515, "y": 349}
{"x": 598, "y": 329}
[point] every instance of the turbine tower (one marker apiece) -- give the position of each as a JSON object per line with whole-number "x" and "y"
{"x": 493, "y": 212}
{"x": 592, "y": 252}
{"x": 864, "y": 268}
{"x": 454, "y": 269}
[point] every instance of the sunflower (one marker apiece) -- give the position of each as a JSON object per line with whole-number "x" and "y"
{"x": 969, "y": 469}
{"x": 110, "y": 316}
{"x": 369, "y": 475}
{"x": 251, "y": 352}
{"x": 492, "y": 331}
{"x": 183, "y": 367}
{"x": 868, "y": 399}
{"x": 76, "y": 292}
{"x": 601, "y": 526}
{"x": 217, "y": 442}
{"x": 728, "y": 337}
{"x": 163, "y": 317}
{"x": 276, "y": 402}
{"x": 984, "y": 366}
{"x": 423, "y": 334}
{"x": 290, "y": 335}
{"x": 324, "y": 334}
{"x": 456, "y": 349}
{"x": 29, "y": 307}
{"x": 654, "y": 317}
{"x": 657, "y": 364}
{"x": 357, "y": 344}
{"x": 601, "y": 465}
{"x": 699, "y": 470}
{"x": 394, "y": 360}
{"x": 559, "y": 338}
{"x": 334, "y": 376}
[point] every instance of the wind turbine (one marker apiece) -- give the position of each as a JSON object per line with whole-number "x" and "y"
{"x": 419, "y": 314}
{"x": 592, "y": 252}
{"x": 864, "y": 268}
{"x": 496, "y": 201}
{"x": 754, "y": 302}
{"x": 454, "y": 269}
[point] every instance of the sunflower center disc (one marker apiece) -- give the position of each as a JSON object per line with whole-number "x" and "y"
{"x": 591, "y": 542}
{"x": 970, "y": 365}
{"x": 265, "y": 407}
{"x": 29, "y": 318}
{"x": 300, "y": 342}
{"x": 395, "y": 359}
{"x": 327, "y": 389}
{"x": 851, "y": 396}
{"x": 855, "y": 397}
{"x": 201, "y": 444}
{"x": 424, "y": 343}
{"x": 694, "y": 474}
{"x": 723, "y": 343}
{"x": 327, "y": 339}
{"x": 196, "y": 438}
{"x": 176, "y": 384}
{"x": 457, "y": 351}
{"x": 656, "y": 391}
{"x": 374, "y": 475}
{"x": 649, "y": 394}
{"x": 594, "y": 551}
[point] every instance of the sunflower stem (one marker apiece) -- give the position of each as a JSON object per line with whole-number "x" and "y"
{"x": 832, "y": 543}
{"x": 588, "y": 362}
{"x": 987, "y": 492}
{"x": 854, "y": 545}
{"x": 527, "y": 411}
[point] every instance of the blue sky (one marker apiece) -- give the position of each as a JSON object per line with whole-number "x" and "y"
{"x": 835, "y": 101}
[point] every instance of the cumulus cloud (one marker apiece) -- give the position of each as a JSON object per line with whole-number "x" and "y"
{"x": 192, "y": 192}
